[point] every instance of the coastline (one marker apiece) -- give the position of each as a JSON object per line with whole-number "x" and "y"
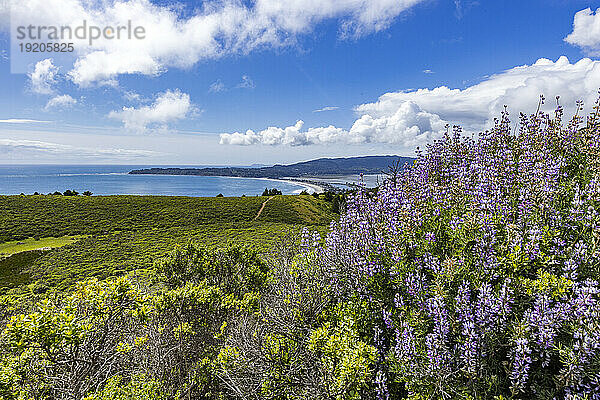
{"x": 113, "y": 181}
{"x": 312, "y": 188}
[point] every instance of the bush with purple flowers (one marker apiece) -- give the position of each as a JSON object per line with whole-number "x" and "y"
{"x": 479, "y": 265}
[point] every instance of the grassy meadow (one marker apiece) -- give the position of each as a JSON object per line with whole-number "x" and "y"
{"x": 19, "y": 246}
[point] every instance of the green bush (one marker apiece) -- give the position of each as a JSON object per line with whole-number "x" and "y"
{"x": 138, "y": 388}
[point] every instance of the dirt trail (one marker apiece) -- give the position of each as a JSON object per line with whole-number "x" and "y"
{"x": 262, "y": 208}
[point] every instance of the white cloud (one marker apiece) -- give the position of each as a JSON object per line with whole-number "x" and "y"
{"x": 290, "y": 135}
{"x": 22, "y": 121}
{"x": 459, "y": 9}
{"x": 519, "y": 88}
{"x": 246, "y": 83}
{"x": 5, "y": 13}
{"x": 358, "y": 17}
{"x": 586, "y": 31}
{"x": 408, "y": 126}
{"x": 60, "y": 102}
{"x": 43, "y": 77}
{"x": 40, "y": 147}
{"x": 132, "y": 96}
{"x": 169, "y": 106}
{"x": 217, "y": 87}
{"x": 428, "y": 71}
{"x": 219, "y": 28}
{"x": 329, "y": 108}
{"x": 411, "y": 118}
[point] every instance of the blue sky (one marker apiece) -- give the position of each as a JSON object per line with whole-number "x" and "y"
{"x": 198, "y": 110}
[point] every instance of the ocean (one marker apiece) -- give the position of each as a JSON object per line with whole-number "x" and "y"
{"x": 114, "y": 180}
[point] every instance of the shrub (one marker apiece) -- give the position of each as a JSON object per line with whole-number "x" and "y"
{"x": 479, "y": 265}
{"x": 138, "y": 388}
{"x": 133, "y": 341}
{"x": 271, "y": 192}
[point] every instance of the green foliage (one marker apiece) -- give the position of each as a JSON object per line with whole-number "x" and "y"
{"x": 302, "y": 210}
{"x": 114, "y": 254}
{"x": 271, "y": 192}
{"x": 347, "y": 361}
{"x": 128, "y": 233}
{"x": 64, "y": 344}
{"x": 139, "y": 387}
{"x": 278, "y": 351}
{"x": 13, "y": 269}
{"x": 232, "y": 269}
{"x": 114, "y": 334}
{"x": 336, "y": 205}
{"x": 45, "y": 216}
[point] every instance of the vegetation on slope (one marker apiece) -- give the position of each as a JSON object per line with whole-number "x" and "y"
{"x": 13, "y": 269}
{"x": 22, "y": 217}
{"x": 127, "y": 233}
{"x": 19, "y": 246}
{"x": 474, "y": 274}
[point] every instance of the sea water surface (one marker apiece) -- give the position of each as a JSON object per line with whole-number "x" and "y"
{"x": 113, "y": 180}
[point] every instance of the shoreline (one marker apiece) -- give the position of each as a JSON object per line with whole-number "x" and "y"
{"x": 310, "y": 186}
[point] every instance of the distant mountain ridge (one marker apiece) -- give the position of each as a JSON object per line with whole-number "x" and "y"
{"x": 367, "y": 165}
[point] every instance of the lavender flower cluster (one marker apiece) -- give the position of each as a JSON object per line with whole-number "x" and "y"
{"x": 481, "y": 263}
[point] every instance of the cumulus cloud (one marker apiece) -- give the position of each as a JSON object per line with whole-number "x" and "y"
{"x": 586, "y": 31}
{"x": 291, "y": 135}
{"x": 219, "y": 28}
{"x": 168, "y": 107}
{"x": 412, "y": 118}
{"x": 60, "y": 102}
{"x": 43, "y": 77}
{"x": 519, "y": 88}
{"x": 408, "y": 126}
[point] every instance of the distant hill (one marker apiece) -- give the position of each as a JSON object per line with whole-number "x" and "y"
{"x": 320, "y": 167}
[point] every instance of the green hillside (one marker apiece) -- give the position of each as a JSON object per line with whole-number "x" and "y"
{"x": 125, "y": 233}
{"x": 43, "y": 216}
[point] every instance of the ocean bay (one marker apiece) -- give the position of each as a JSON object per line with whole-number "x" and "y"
{"x": 115, "y": 180}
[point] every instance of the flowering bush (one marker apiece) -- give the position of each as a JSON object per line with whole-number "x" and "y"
{"x": 479, "y": 264}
